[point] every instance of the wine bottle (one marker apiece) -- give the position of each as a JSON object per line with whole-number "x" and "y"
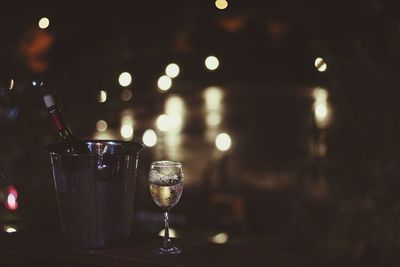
{"x": 71, "y": 143}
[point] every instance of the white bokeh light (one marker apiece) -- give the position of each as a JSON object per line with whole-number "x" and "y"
{"x": 320, "y": 64}
{"x": 44, "y": 23}
{"x": 223, "y": 142}
{"x": 174, "y": 105}
{"x": 320, "y": 95}
{"x": 172, "y": 70}
{"x": 163, "y": 122}
{"x": 164, "y": 83}
{"x": 213, "y": 97}
{"x": 213, "y": 119}
{"x": 9, "y": 229}
{"x": 125, "y": 79}
{"x": 321, "y": 112}
{"x": 127, "y": 131}
{"x": 211, "y": 62}
{"x": 101, "y": 126}
{"x": 11, "y": 85}
{"x": 102, "y": 96}
{"x": 149, "y": 138}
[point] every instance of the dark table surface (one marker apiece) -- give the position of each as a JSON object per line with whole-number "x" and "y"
{"x": 21, "y": 249}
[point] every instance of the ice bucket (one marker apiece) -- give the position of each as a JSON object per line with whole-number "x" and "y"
{"x": 95, "y": 192}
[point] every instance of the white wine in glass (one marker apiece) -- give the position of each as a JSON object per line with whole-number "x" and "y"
{"x": 166, "y": 186}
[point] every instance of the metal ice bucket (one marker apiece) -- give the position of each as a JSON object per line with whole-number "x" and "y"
{"x": 95, "y": 192}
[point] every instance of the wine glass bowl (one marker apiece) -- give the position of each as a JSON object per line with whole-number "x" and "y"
{"x": 166, "y": 186}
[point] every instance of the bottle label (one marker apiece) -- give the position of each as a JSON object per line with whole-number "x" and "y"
{"x": 57, "y": 120}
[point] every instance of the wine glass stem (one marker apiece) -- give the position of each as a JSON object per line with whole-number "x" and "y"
{"x": 167, "y": 240}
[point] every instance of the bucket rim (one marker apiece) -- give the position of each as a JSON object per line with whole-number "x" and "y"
{"x": 132, "y": 148}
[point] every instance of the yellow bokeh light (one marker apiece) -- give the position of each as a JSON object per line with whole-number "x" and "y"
{"x": 126, "y": 94}
{"x": 44, "y": 23}
{"x": 211, "y": 62}
{"x": 221, "y": 4}
{"x": 101, "y": 126}
{"x": 220, "y": 238}
{"x": 223, "y": 142}
{"x": 149, "y": 138}
{"x": 102, "y": 96}
{"x": 172, "y": 70}
{"x": 125, "y": 79}
{"x": 164, "y": 83}
{"x": 320, "y": 64}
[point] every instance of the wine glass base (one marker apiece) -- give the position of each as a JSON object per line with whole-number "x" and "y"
{"x": 167, "y": 251}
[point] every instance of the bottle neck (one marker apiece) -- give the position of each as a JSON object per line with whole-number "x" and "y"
{"x": 60, "y": 124}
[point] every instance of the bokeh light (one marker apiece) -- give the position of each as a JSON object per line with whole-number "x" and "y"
{"x": 223, "y": 142}
{"x": 11, "y": 200}
{"x": 44, "y": 23}
{"x": 149, "y": 138}
{"x": 125, "y": 79}
{"x": 321, "y": 107}
{"x": 10, "y": 229}
{"x": 175, "y": 110}
{"x": 101, "y": 126}
{"x": 163, "y": 122}
{"x": 171, "y": 231}
{"x": 221, "y": 4}
{"x": 320, "y": 94}
{"x": 220, "y": 238}
{"x": 172, "y": 70}
{"x": 11, "y": 86}
{"x": 126, "y": 94}
{"x": 320, "y": 64}
{"x": 321, "y": 112}
{"x": 211, "y": 62}
{"x": 174, "y": 105}
{"x": 213, "y": 97}
{"x": 127, "y": 131}
{"x": 213, "y": 119}
{"x": 102, "y": 96}
{"x": 164, "y": 83}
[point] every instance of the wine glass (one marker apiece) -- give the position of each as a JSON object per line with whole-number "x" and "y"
{"x": 166, "y": 185}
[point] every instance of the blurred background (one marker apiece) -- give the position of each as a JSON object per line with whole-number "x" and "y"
{"x": 284, "y": 114}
